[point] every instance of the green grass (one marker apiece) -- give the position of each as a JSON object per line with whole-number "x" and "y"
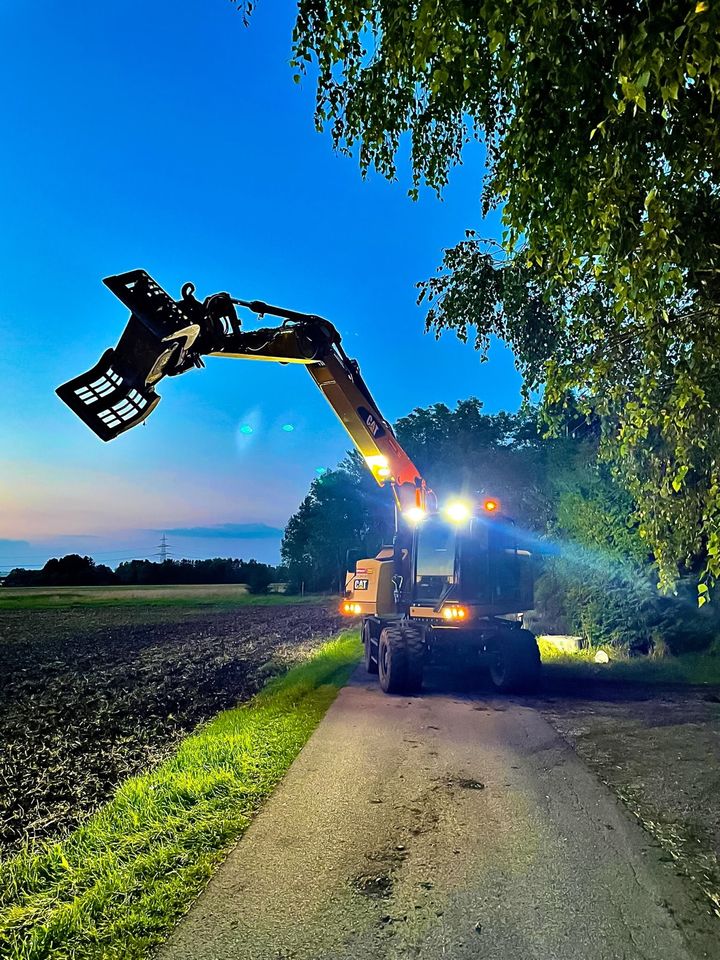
{"x": 221, "y": 595}
{"x": 116, "y": 885}
{"x": 691, "y": 668}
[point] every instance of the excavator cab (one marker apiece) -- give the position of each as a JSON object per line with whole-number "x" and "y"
{"x": 477, "y": 564}
{"x": 441, "y": 569}
{"x": 451, "y": 586}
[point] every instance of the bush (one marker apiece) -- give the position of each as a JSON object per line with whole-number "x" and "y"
{"x": 617, "y": 604}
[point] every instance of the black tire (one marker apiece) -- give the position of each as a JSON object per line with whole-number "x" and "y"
{"x": 370, "y": 644}
{"x": 515, "y": 668}
{"x": 401, "y": 659}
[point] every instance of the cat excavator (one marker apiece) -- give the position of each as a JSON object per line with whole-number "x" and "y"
{"x": 455, "y": 578}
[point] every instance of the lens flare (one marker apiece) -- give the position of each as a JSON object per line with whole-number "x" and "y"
{"x": 457, "y": 511}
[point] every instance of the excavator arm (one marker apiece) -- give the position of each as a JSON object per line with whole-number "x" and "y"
{"x": 164, "y": 337}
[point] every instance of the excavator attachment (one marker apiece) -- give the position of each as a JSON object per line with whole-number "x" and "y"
{"x": 160, "y": 339}
{"x": 113, "y": 396}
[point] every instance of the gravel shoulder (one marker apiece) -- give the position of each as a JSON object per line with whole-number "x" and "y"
{"x": 90, "y": 696}
{"x": 658, "y": 749}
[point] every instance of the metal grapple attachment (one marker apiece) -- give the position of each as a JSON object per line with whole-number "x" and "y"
{"x": 112, "y": 396}
{"x": 162, "y": 337}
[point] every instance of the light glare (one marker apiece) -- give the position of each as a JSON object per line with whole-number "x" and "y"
{"x": 458, "y": 512}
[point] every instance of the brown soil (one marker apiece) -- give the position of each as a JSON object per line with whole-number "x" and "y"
{"x": 90, "y": 696}
{"x": 659, "y": 750}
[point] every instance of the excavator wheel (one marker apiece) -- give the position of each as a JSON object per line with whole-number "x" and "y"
{"x": 401, "y": 659}
{"x": 516, "y": 665}
{"x": 370, "y": 645}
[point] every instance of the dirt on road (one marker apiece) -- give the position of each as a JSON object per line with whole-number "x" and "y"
{"x": 90, "y": 696}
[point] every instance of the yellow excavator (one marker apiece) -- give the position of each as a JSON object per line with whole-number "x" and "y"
{"x": 455, "y": 579}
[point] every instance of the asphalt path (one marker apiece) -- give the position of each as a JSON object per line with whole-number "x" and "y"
{"x": 445, "y": 825}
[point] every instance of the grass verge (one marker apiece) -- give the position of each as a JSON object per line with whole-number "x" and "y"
{"x": 691, "y": 668}
{"x": 114, "y": 888}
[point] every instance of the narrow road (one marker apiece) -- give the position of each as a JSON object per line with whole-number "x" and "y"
{"x": 445, "y": 825}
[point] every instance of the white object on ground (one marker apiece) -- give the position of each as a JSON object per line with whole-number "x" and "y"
{"x": 564, "y": 643}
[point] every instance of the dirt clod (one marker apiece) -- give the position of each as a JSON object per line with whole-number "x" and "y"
{"x": 376, "y": 886}
{"x": 466, "y": 784}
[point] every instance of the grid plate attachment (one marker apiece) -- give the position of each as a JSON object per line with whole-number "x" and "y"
{"x": 108, "y": 402}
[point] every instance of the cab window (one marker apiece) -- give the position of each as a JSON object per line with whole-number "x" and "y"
{"x": 507, "y": 569}
{"x": 435, "y": 563}
{"x": 474, "y": 563}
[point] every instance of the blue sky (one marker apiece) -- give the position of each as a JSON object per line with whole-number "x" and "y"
{"x": 169, "y": 137}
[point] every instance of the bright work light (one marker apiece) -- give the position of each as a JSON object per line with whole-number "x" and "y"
{"x": 454, "y": 613}
{"x": 379, "y": 465}
{"x": 415, "y": 514}
{"x": 351, "y": 609}
{"x": 457, "y": 511}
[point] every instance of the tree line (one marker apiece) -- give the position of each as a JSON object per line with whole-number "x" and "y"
{"x": 74, "y": 570}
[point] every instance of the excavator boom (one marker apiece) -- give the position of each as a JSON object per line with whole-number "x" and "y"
{"x": 165, "y": 337}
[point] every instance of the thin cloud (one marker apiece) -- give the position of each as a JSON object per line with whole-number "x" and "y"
{"x": 13, "y": 545}
{"x": 228, "y": 531}
{"x": 77, "y": 536}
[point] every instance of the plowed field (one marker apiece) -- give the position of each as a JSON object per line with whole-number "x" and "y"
{"x": 90, "y": 696}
